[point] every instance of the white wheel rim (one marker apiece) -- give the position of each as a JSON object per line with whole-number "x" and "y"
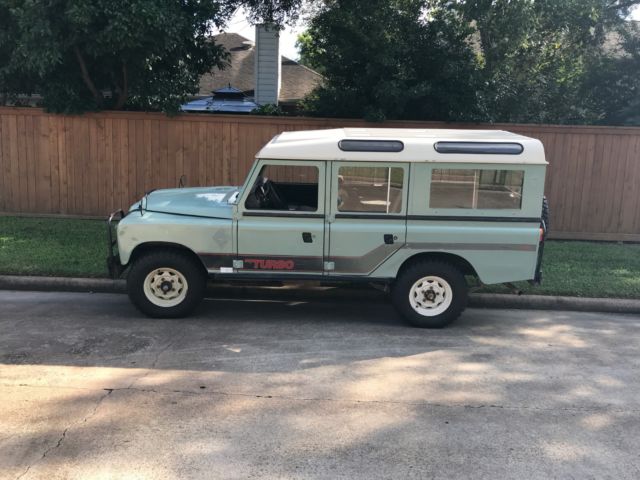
{"x": 165, "y": 287}
{"x": 430, "y": 296}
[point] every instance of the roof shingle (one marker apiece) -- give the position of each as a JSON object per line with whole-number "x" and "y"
{"x": 296, "y": 82}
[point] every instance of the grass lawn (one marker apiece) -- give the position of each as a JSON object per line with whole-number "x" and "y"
{"x": 585, "y": 269}
{"x": 73, "y": 247}
{"x": 53, "y": 247}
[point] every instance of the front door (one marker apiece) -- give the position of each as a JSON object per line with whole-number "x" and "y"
{"x": 281, "y": 219}
{"x": 367, "y": 219}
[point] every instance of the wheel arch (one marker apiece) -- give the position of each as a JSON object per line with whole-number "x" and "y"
{"x": 456, "y": 260}
{"x": 146, "y": 247}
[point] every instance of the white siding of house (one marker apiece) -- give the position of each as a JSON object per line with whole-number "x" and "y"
{"x": 268, "y": 65}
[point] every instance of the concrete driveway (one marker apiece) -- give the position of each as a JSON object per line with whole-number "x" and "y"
{"x": 267, "y": 389}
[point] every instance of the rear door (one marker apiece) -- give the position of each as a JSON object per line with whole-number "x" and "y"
{"x": 367, "y": 215}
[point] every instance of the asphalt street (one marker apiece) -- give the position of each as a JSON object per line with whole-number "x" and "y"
{"x": 89, "y": 389}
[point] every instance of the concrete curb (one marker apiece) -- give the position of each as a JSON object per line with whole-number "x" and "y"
{"x": 61, "y": 284}
{"x": 315, "y": 292}
{"x": 547, "y": 302}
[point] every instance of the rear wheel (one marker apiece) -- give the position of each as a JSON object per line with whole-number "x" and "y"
{"x": 166, "y": 284}
{"x": 430, "y": 294}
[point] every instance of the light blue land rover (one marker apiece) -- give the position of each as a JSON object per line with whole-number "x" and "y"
{"x": 413, "y": 210}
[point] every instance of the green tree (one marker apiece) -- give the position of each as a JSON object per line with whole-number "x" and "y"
{"x": 541, "y": 61}
{"x": 612, "y": 80}
{"x": 309, "y": 56}
{"x": 11, "y": 78}
{"x": 383, "y": 59}
{"x": 108, "y": 54}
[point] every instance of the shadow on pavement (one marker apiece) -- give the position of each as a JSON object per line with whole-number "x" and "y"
{"x": 314, "y": 389}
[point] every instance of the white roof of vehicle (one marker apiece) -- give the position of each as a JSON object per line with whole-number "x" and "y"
{"x": 418, "y": 145}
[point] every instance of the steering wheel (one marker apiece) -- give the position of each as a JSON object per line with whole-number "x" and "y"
{"x": 268, "y": 196}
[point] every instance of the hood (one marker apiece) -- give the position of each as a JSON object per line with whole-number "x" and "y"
{"x": 202, "y": 202}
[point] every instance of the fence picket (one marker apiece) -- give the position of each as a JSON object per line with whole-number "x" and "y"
{"x": 95, "y": 163}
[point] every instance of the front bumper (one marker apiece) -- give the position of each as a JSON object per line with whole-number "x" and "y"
{"x": 114, "y": 266}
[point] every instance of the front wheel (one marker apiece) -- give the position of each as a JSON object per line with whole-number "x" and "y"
{"x": 430, "y": 294}
{"x": 166, "y": 284}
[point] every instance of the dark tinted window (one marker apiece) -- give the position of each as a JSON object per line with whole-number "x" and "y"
{"x": 371, "y": 145}
{"x": 481, "y": 148}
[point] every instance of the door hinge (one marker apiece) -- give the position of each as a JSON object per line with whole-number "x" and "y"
{"x": 329, "y": 266}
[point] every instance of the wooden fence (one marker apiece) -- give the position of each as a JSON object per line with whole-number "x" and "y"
{"x": 92, "y": 164}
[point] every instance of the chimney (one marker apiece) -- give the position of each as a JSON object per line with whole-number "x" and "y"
{"x": 268, "y": 65}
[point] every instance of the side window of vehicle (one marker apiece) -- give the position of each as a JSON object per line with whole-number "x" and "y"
{"x": 370, "y": 189}
{"x": 285, "y": 187}
{"x": 476, "y": 189}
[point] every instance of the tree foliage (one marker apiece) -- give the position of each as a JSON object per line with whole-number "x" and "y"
{"x": 552, "y": 61}
{"x": 612, "y": 83}
{"x": 110, "y": 54}
{"x": 383, "y": 61}
{"x": 310, "y": 56}
{"x": 542, "y": 59}
{"x": 11, "y": 77}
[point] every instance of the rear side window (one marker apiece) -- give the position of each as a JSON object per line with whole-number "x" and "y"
{"x": 370, "y": 189}
{"x": 476, "y": 189}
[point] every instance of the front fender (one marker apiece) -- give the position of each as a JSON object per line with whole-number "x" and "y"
{"x": 198, "y": 234}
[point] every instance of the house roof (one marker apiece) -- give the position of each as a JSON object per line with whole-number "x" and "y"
{"x": 418, "y": 145}
{"x": 296, "y": 82}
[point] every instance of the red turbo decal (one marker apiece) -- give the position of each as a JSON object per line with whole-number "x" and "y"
{"x": 262, "y": 264}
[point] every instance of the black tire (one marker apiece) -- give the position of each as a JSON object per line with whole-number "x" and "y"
{"x": 184, "y": 264}
{"x": 412, "y": 274}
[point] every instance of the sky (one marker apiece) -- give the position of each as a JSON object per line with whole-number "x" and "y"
{"x": 239, "y": 24}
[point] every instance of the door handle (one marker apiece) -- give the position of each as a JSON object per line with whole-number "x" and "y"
{"x": 388, "y": 238}
{"x": 306, "y": 237}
